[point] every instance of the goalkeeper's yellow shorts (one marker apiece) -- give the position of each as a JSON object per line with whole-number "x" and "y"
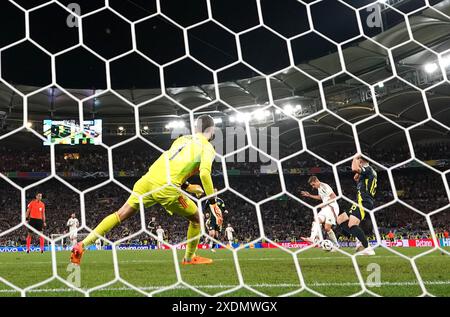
{"x": 173, "y": 200}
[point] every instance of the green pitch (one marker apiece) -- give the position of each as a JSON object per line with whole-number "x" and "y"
{"x": 269, "y": 271}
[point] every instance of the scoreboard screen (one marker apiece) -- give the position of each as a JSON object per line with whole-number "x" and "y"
{"x": 69, "y": 132}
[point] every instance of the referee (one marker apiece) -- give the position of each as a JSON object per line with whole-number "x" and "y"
{"x": 36, "y": 218}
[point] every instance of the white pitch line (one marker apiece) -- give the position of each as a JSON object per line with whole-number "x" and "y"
{"x": 245, "y": 260}
{"x": 222, "y": 286}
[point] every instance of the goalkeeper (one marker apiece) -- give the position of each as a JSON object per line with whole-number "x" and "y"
{"x": 187, "y": 156}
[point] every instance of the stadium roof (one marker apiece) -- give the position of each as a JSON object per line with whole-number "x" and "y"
{"x": 346, "y": 96}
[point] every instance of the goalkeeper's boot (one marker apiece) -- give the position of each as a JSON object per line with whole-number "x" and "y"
{"x": 197, "y": 260}
{"x": 77, "y": 253}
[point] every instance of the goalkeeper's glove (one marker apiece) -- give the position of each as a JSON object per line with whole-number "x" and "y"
{"x": 197, "y": 190}
{"x": 216, "y": 210}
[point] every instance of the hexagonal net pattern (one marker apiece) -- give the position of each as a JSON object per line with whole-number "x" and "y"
{"x": 288, "y": 40}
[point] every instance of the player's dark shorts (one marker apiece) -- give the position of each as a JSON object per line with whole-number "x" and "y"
{"x": 213, "y": 224}
{"x": 37, "y": 224}
{"x": 359, "y": 210}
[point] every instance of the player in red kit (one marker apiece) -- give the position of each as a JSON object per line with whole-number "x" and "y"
{"x": 36, "y": 219}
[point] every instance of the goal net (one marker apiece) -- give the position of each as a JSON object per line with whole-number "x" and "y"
{"x": 295, "y": 91}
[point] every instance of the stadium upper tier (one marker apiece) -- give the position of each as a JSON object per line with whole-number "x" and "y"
{"x": 297, "y": 94}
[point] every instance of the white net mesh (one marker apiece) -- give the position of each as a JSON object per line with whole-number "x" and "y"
{"x": 439, "y": 65}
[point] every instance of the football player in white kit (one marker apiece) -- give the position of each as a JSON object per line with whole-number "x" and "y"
{"x": 160, "y": 235}
{"x": 328, "y": 213}
{"x": 73, "y": 225}
{"x": 98, "y": 244}
{"x": 229, "y": 233}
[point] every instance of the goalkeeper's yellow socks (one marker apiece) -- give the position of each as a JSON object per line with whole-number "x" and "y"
{"x": 191, "y": 247}
{"x": 103, "y": 227}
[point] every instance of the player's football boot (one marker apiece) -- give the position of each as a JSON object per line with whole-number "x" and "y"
{"x": 307, "y": 239}
{"x": 197, "y": 260}
{"x": 77, "y": 253}
{"x": 367, "y": 251}
{"x": 359, "y": 247}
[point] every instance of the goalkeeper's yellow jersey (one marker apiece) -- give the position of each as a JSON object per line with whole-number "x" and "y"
{"x": 187, "y": 156}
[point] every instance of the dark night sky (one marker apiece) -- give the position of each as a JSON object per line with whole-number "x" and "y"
{"x": 162, "y": 41}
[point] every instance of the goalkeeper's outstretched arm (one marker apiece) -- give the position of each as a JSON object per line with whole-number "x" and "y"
{"x": 207, "y": 183}
{"x": 207, "y": 158}
{"x": 208, "y": 186}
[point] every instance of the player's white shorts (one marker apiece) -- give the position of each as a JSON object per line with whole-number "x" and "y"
{"x": 73, "y": 235}
{"x": 329, "y": 213}
{"x": 230, "y": 238}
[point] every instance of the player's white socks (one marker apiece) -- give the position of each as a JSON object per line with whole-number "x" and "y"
{"x": 315, "y": 231}
{"x": 332, "y": 237}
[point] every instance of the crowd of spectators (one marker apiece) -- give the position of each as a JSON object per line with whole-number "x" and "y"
{"x": 94, "y": 158}
{"x": 26, "y": 160}
{"x": 283, "y": 218}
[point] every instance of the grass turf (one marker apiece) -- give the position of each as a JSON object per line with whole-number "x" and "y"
{"x": 269, "y": 271}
